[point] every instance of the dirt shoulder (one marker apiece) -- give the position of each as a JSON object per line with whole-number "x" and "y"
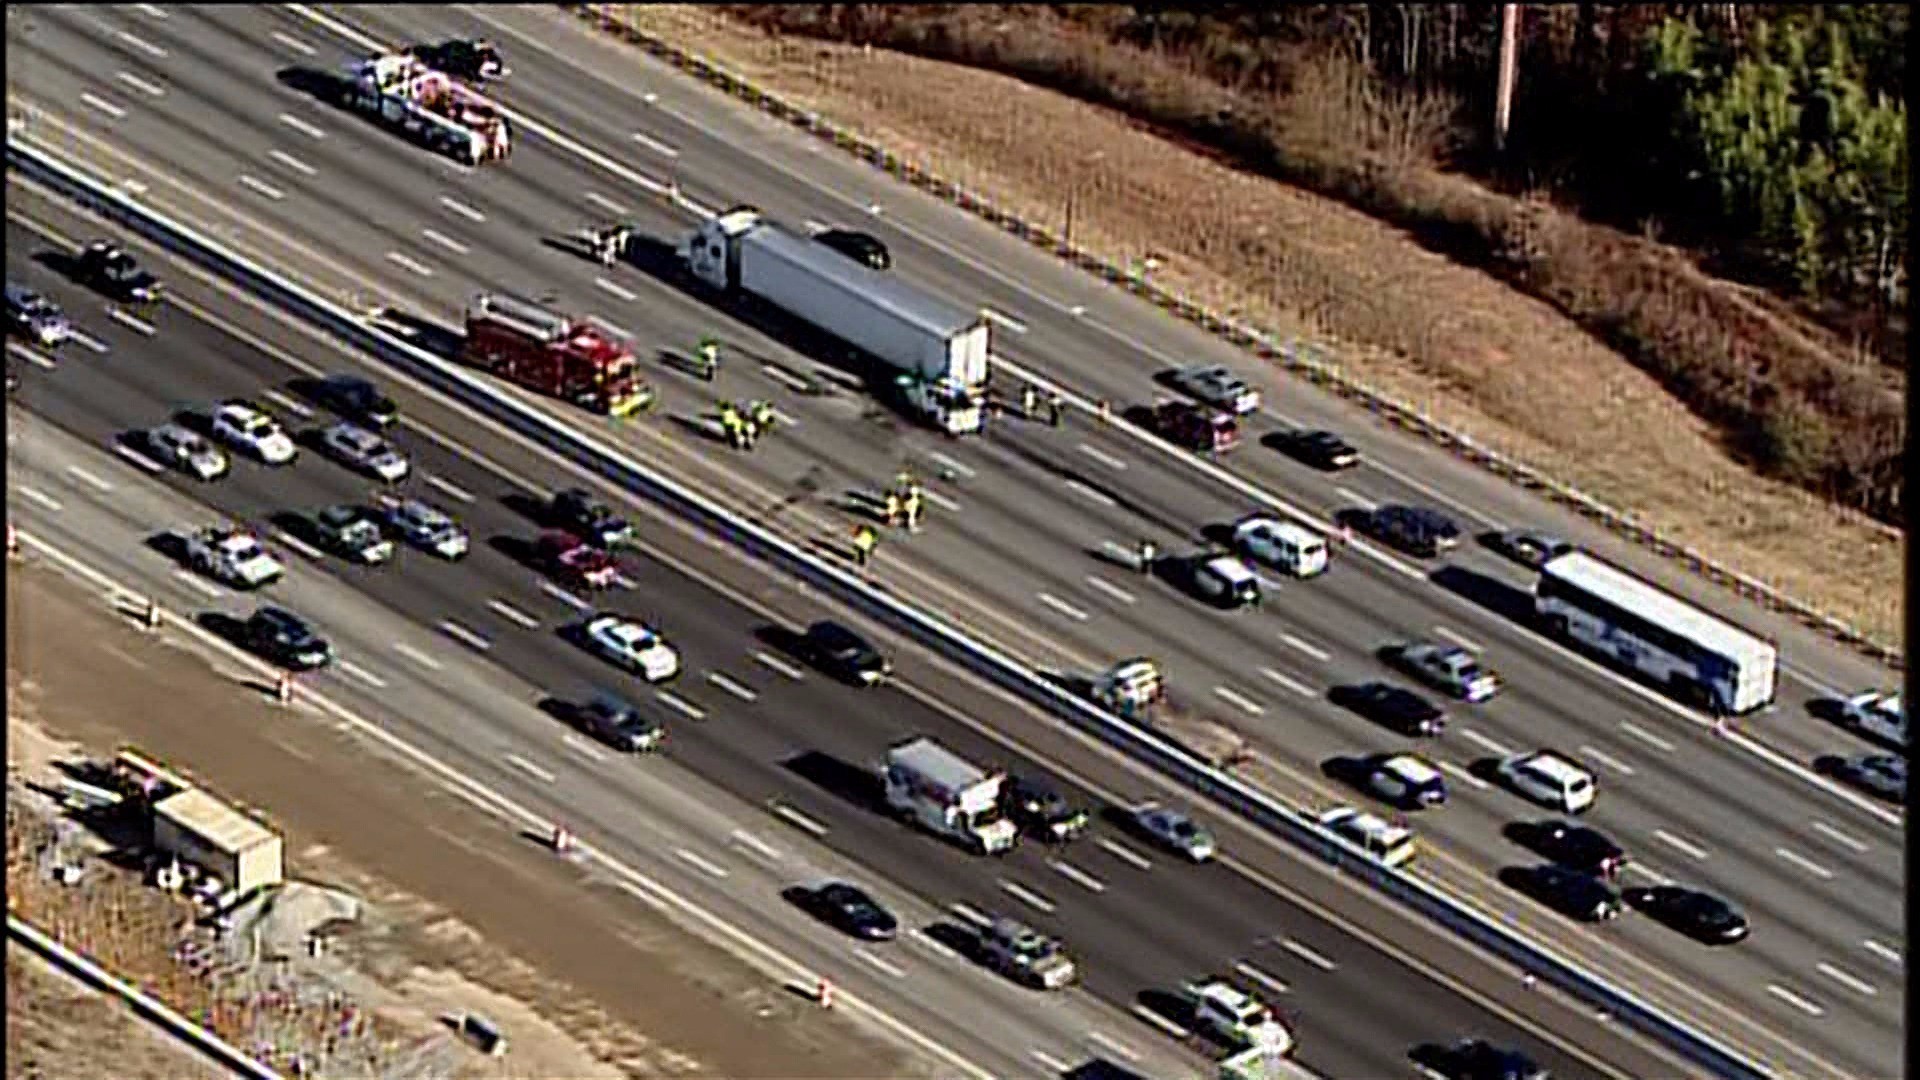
{"x": 456, "y": 915}
{"x": 1509, "y": 370}
{"x": 55, "y": 1022}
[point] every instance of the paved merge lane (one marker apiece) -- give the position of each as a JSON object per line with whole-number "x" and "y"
{"x": 1027, "y": 487}
{"x": 1139, "y": 927}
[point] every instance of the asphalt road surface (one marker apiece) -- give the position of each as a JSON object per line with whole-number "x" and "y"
{"x": 1014, "y": 547}
{"x": 460, "y": 656}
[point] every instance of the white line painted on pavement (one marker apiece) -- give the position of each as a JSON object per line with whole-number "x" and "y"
{"x": 354, "y": 670}
{"x": 1354, "y": 498}
{"x": 462, "y": 209}
{"x": 286, "y": 402}
{"x": 969, "y": 913}
{"x": 731, "y": 686}
{"x": 1804, "y": 863}
{"x": 1101, "y": 456}
{"x": 1078, "y": 876}
{"x": 293, "y": 43}
{"x": 1254, "y": 974}
{"x": 1288, "y": 681}
{"x": 140, "y": 460}
{"x": 1663, "y": 745}
{"x": 1160, "y": 1022}
{"x": 148, "y": 88}
{"x": 1795, "y": 1000}
{"x": 293, "y": 163}
{"x": 1459, "y": 639}
{"x": 580, "y": 746}
{"x": 748, "y": 840}
{"x": 138, "y": 326}
{"x": 142, "y": 44}
{"x": 944, "y": 502}
{"x": 1459, "y": 772}
{"x": 90, "y": 341}
{"x": 1307, "y": 954}
{"x": 1483, "y": 742}
{"x": 469, "y": 638}
{"x": 302, "y": 126}
{"x": 512, "y": 614}
{"x": 1125, "y": 854}
{"x": 1848, "y": 979}
{"x": 680, "y": 705}
{"x": 881, "y": 963}
{"x": 1063, "y": 607}
{"x": 1837, "y": 836}
{"x": 608, "y": 285}
{"x": 785, "y": 378}
{"x": 694, "y": 858}
{"x": 448, "y": 488}
{"x": 197, "y": 583}
{"x": 1052, "y": 1064}
{"x": 1101, "y": 585}
{"x": 655, "y": 145}
{"x": 151, "y": 10}
{"x": 32, "y": 357}
{"x": 1239, "y": 700}
{"x": 1099, "y": 497}
{"x": 284, "y": 537}
{"x": 1683, "y": 846}
{"x": 408, "y": 262}
{"x": 259, "y": 186}
{"x": 927, "y": 941}
{"x": 799, "y": 820}
{"x": 947, "y": 461}
{"x": 1112, "y": 1045}
{"x": 89, "y": 479}
{"x": 774, "y": 663}
{"x": 1606, "y": 759}
{"x": 445, "y": 241}
{"x": 1884, "y": 952}
{"x": 1305, "y": 646}
{"x": 417, "y": 656}
{"x": 1026, "y": 896}
{"x": 564, "y": 596}
{"x": 1007, "y": 321}
{"x": 605, "y": 203}
{"x": 531, "y": 769}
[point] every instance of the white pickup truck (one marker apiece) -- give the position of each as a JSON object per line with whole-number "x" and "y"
{"x": 233, "y": 557}
{"x": 1236, "y": 1018}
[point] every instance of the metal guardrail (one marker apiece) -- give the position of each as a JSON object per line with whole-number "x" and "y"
{"x": 981, "y": 658}
{"x": 208, "y": 1043}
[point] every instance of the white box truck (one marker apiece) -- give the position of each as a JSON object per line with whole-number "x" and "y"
{"x": 934, "y": 352}
{"x": 946, "y": 794}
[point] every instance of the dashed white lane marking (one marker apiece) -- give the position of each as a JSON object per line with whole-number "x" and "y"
{"x": 1254, "y": 974}
{"x": 1460, "y": 773}
{"x": 1063, "y": 607}
{"x": 969, "y": 913}
{"x": 881, "y": 963}
{"x": 261, "y": 187}
{"x": 1804, "y": 863}
{"x": 1484, "y": 742}
{"x": 287, "y": 402}
{"x": 1635, "y": 730}
{"x": 293, "y": 163}
{"x": 1078, "y": 876}
{"x": 1161, "y": 1022}
{"x": 731, "y": 686}
{"x": 564, "y": 596}
{"x": 471, "y": 639}
{"x": 1307, "y": 954}
{"x": 1101, "y": 585}
{"x": 772, "y": 662}
{"x": 512, "y": 614}
{"x": 1027, "y": 896}
{"x": 462, "y": 209}
{"x": 448, "y": 488}
{"x": 1239, "y": 700}
{"x": 1288, "y": 681}
{"x": 1007, "y": 321}
{"x": 706, "y": 865}
{"x": 927, "y": 941}
{"x": 947, "y": 461}
{"x": 293, "y": 43}
{"x": 138, "y": 326}
{"x": 582, "y": 747}
{"x": 785, "y": 378}
{"x": 148, "y": 88}
{"x": 1885, "y": 952}
{"x": 445, "y": 241}
{"x": 142, "y": 44}
{"x": 1459, "y": 639}
{"x": 1848, "y": 979}
{"x": 1113, "y": 1046}
{"x": 90, "y": 341}
{"x": 1795, "y": 1000}
{"x": 1305, "y": 646}
{"x": 944, "y": 502}
{"x": 799, "y": 820}
{"x": 417, "y": 656}
{"x": 89, "y": 479}
{"x": 153, "y": 11}
{"x": 353, "y": 670}
{"x": 680, "y": 705}
{"x": 284, "y": 537}
{"x": 1087, "y": 492}
{"x": 605, "y": 203}
{"x": 1101, "y": 456}
{"x": 304, "y": 127}
{"x": 1683, "y": 846}
{"x": 102, "y": 104}
{"x": 608, "y": 285}
{"x": 1125, "y": 854}
{"x": 1606, "y": 759}
{"x": 1354, "y": 498}
{"x": 655, "y": 145}
{"x": 408, "y": 262}
{"x": 753, "y": 843}
{"x": 45, "y": 363}
{"x": 1839, "y": 837}
{"x": 528, "y": 767}
{"x": 622, "y": 581}
{"x": 1049, "y": 1062}
{"x": 197, "y": 583}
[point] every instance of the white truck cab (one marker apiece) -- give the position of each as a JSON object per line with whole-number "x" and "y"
{"x": 946, "y": 794}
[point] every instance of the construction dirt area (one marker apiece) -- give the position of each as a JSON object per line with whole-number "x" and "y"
{"x": 415, "y": 932}
{"x": 1477, "y": 356}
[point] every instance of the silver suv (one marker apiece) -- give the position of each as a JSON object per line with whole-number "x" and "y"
{"x": 1027, "y": 956}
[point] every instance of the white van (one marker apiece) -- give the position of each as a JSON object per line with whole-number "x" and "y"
{"x": 1289, "y": 548}
{"x": 1226, "y": 581}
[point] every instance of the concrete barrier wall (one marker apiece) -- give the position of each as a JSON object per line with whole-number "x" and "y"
{"x": 1292, "y": 824}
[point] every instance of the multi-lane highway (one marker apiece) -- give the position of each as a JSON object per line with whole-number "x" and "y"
{"x": 459, "y": 656}
{"x": 193, "y": 112}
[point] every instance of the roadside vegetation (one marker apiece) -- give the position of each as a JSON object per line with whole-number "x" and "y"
{"x": 1717, "y": 192}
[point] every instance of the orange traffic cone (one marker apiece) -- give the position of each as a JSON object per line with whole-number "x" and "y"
{"x": 823, "y": 993}
{"x": 562, "y": 840}
{"x": 283, "y": 689}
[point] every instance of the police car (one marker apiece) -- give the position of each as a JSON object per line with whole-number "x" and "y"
{"x": 233, "y": 557}
{"x": 631, "y": 644}
{"x": 247, "y": 427}
{"x": 426, "y": 527}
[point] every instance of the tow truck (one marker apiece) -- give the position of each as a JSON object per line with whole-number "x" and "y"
{"x": 1236, "y": 1018}
{"x": 429, "y": 107}
{"x": 553, "y": 354}
{"x": 1136, "y": 690}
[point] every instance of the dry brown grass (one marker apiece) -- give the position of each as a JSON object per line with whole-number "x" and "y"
{"x": 1476, "y": 354}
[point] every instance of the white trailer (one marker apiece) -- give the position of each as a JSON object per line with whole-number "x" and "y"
{"x": 935, "y": 351}
{"x": 428, "y": 107}
{"x": 946, "y": 794}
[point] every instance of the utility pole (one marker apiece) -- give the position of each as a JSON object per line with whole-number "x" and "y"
{"x": 1509, "y": 72}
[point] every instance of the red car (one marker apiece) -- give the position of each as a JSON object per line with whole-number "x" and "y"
{"x": 1194, "y": 427}
{"x": 576, "y": 562}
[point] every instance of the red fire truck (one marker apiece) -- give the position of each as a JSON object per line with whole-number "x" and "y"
{"x": 550, "y": 353}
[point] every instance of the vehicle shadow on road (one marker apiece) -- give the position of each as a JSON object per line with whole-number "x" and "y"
{"x": 842, "y": 779}
{"x": 1514, "y": 605}
{"x": 423, "y": 333}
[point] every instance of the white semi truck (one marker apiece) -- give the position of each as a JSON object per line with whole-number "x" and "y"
{"x": 934, "y": 352}
{"x": 946, "y": 794}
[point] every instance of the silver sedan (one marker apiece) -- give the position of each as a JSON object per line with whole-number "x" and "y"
{"x": 1175, "y": 831}
{"x": 1218, "y": 388}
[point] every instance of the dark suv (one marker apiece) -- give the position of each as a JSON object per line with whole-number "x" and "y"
{"x": 842, "y": 653}
{"x": 1415, "y": 530}
{"x": 286, "y": 639}
{"x": 858, "y": 246}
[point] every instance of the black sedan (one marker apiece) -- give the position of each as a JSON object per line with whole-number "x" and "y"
{"x": 861, "y": 247}
{"x": 842, "y": 653}
{"x": 1391, "y": 706}
{"x": 106, "y": 267}
{"x": 1569, "y": 892}
{"x": 1701, "y": 916}
{"x": 1321, "y": 449}
{"x": 849, "y": 909}
{"x": 1478, "y": 1059}
{"x": 1575, "y": 847}
{"x": 576, "y": 511}
{"x": 1528, "y": 548}
{"x": 1042, "y": 812}
{"x": 615, "y": 721}
{"x": 286, "y": 639}
{"x": 1416, "y": 530}
{"x": 351, "y": 397}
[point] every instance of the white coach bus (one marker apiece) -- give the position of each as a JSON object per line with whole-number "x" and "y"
{"x": 1700, "y": 658}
